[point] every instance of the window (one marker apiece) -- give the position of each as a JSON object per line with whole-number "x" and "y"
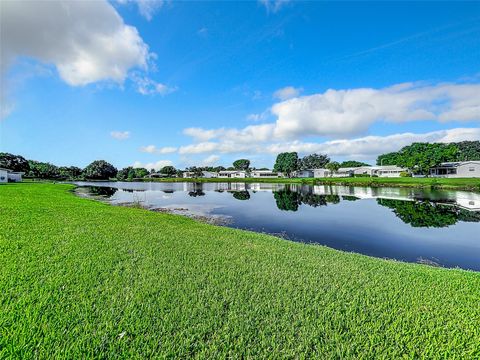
{"x": 471, "y": 169}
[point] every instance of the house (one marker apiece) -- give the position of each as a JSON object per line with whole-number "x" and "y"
{"x": 459, "y": 169}
{"x": 188, "y": 174}
{"x": 7, "y": 175}
{"x": 209, "y": 174}
{"x": 228, "y": 174}
{"x": 380, "y": 171}
{"x": 3, "y": 175}
{"x": 389, "y": 171}
{"x": 265, "y": 174}
{"x": 304, "y": 173}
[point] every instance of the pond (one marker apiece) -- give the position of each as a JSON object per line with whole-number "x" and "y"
{"x": 435, "y": 227}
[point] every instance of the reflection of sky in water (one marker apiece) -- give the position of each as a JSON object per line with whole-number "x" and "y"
{"x": 401, "y": 223}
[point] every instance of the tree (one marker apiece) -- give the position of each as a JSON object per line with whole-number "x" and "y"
{"x": 353, "y": 163}
{"x": 43, "y": 170}
{"x": 241, "y": 164}
{"x": 218, "y": 168}
{"x": 287, "y": 163}
{"x": 333, "y": 167}
{"x": 69, "y": 172}
{"x": 197, "y": 172}
{"x": 169, "y": 170}
{"x": 125, "y": 173}
{"x": 100, "y": 170}
{"x": 140, "y": 173}
{"x": 468, "y": 150}
{"x": 14, "y": 162}
{"x": 314, "y": 161}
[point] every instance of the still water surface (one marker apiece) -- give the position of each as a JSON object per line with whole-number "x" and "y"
{"x": 430, "y": 226}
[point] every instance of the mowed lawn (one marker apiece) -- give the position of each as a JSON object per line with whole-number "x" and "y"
{"x": 82, "y": 279}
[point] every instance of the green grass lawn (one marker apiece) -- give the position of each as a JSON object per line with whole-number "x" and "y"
{"x": 472, "y": 184}
{"x": 83, "y": 279}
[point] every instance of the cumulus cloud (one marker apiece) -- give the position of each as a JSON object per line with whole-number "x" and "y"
{"x": 153, "y": 165}
{"x": 152, "y": 149}
{"x": 338, "y": 113}
{"x": 87, "y": 41}
{"x": 120, "y": 135}
{"x": 287, "y": 93}
{"x": 146, "y": 8}
{"x": 363, "y": 147}
{"x": 146, "y": 86}
{"x": 273, "y": 6}
{"x": 210, "y": 160}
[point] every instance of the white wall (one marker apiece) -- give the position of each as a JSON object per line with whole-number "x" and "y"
{"x": 3, "y": 176}
{"x": 469, "y": 170}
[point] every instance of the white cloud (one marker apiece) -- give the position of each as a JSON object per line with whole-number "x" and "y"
{"x": 287, "y": 93}
{"x": 338, "y": 113}
{"x": 120, "y": 135}
{"x": 152, "y": 149}
{"x": 273, "y": 6}
{"x": 210, "y": 160}
{"x": 146, "y": 8}
{"x": 203, "y": 32}
{"x": 363, "y": 147}
{"x": 87, "y": 41}
{"x": 146, "y": 86}
{"x": 152, "y": 165}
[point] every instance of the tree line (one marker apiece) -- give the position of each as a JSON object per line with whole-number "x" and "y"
{"x": 420, "y": 157}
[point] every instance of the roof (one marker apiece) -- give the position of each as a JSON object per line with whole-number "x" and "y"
{"x": 5, "y": 169}
{"x": 458, "y": 163}
{"x": 231, "y": 171}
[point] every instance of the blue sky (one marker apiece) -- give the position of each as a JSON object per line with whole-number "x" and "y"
{"x": 184, "y": 83}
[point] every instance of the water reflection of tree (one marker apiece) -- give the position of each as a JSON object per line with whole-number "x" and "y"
{"x": 102, "y": 191}
{"x": 287, "y": 199}
{"x": 428, "y": 214}
{"x": 196, "y": 193}
{"x": 290, "y": 200}
{"x": 241, "y": 195}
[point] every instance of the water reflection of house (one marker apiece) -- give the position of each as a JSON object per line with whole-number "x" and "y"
{"x": 460, "y": 169}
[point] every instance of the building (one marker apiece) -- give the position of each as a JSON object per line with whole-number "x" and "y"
{"x": 389, "y": 171}
{"x": 459, "y": 169}
{"x": 188, "y": 174}
{"x": 304, "y": 173}
{"x": 3, "y": 175}
{"x": 235, "y": 174}
{"x": 380, "y": 171}
{"x": 265, "y": 174}
{"x": 209, "y": 174}
{"x": 7, "y": 175}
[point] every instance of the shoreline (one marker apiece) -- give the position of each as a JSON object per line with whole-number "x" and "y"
{"x": 466, "y": 184}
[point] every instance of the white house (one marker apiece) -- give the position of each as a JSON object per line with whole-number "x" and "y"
{"x": 228, "y": 174}
{"x": 265, "y": 174}
{"x": 460, "y": 169}
{"x": 3, "y": 175}
{"x": 209, "y": 174}
{"x": 308, "y": 173}
{"x": 188, "y": 174}
{"x": 7, "y": 175}
{"x": 388, "y": 171}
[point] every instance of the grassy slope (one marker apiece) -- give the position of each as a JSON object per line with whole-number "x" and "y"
{"x": 460, "y": 183}
{"x": 80, "y": 278}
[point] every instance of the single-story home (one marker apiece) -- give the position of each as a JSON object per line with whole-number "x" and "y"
{"x": 232, "y": 174}
{"x": 3, "y": 175}
{"x": 7, "y": 175}
{"x": 205, "y": 174}
{"x": 265, "y": 174}
{"x": 380, "y": 171}
{"x": 388, "y": 171}
{"x": 459, "y": 169}
{"x": 308, "y": 173}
